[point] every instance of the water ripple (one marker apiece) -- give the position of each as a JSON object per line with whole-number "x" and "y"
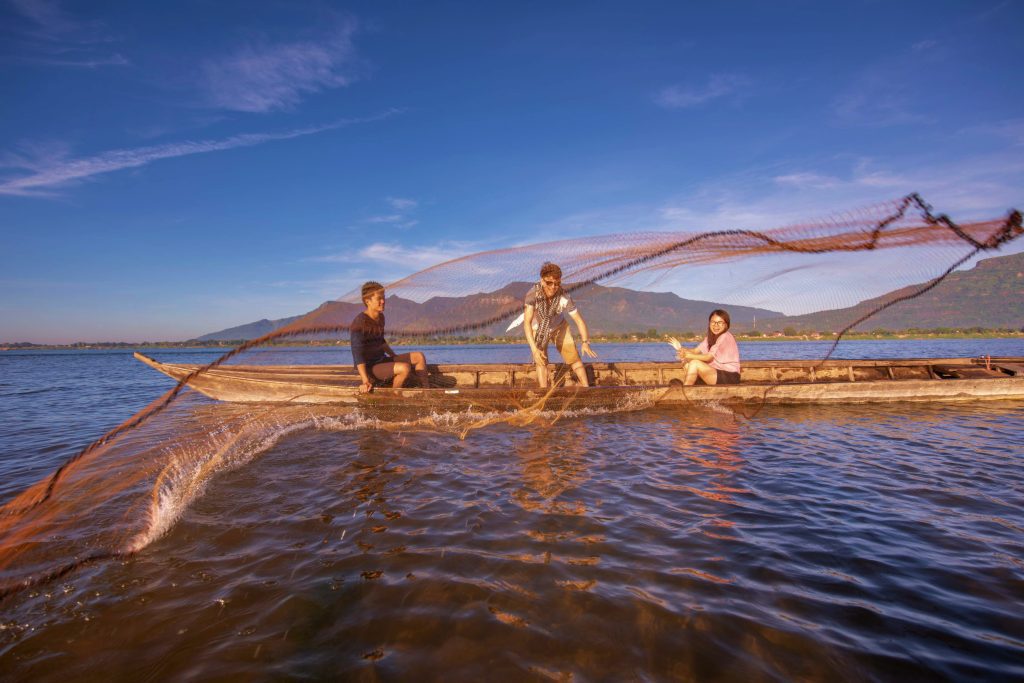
{"x": 850, "y": 543}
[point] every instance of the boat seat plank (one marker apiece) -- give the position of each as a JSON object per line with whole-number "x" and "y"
{"x": 1015, "y": 369}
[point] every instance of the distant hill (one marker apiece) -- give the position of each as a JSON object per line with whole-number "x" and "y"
{"x": 990, "y": 295}
{"x": 247, "y": 331}
{"x": 607, "y": 310}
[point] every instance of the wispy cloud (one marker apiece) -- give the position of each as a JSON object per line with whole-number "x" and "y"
{"x": 400, "y": 204}
{"x": 262, "y": 78}
{"x": 397, "y": 254}
{"x": 50, "y": 171}
{"x": 51, "y": 36}
{"x": 394, "y": 263}
{"x": 387, "y": 218}
{"x": 1011, "y": 130}
{"x": 49, "y": 20}
{"x": 876, "y": 100}
{"x": 864, "y": 173}
{"x": 400, "y": 216}
{"x": 421, "y": 257}
{"x": 978, "y": 187}
{"x": 887, "y": 92}
{"x": 83, "y": 61}
{"x": 718, "y": 86}
{"x": 807, "y": 180}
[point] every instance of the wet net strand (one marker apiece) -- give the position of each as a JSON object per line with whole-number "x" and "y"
{"x": 606, "y": 259}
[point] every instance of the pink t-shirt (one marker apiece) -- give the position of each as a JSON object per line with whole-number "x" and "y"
{"x": 725, "y": 351}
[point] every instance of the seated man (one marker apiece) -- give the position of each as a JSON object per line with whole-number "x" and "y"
{"x": 372, "y": 356}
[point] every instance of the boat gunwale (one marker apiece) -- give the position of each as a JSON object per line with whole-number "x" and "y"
{"x": 345, "y": 369}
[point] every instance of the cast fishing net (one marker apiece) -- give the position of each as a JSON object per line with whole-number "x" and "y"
{"x": 850, "y": 271}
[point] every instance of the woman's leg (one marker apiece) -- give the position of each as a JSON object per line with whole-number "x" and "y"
{"x": 698, "y": 368}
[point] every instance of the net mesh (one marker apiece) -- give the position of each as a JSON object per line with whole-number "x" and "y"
{"x": 140, "y": 475}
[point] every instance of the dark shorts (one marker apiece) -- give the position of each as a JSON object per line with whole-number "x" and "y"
{"x": 369, "y": 369}
{"x": 724, "y": 377}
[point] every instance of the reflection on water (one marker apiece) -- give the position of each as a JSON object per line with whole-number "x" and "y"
{"x": 852, "y": 543}
{"x": 553, "y": 463}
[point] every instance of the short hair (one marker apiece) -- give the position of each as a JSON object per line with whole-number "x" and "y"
{"x": 550, "y": 269}
{"x": 369, "y": 288}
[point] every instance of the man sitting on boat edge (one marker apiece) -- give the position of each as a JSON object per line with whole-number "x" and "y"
{"x": 372, "y": 356}
{"x": 545, "y": 308}
{"x": 716, "y": 360}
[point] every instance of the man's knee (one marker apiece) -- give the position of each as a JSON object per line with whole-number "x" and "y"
{"x": 402, "y": 369}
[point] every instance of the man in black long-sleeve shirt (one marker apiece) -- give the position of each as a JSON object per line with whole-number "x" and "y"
{"x": 372, "y": 357}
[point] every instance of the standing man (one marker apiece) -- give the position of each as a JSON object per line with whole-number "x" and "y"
{"x": 546, "y": 306}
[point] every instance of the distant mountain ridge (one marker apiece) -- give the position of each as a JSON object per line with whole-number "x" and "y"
{"x": 989, "y": 295}
{"x": 607, "y": 310}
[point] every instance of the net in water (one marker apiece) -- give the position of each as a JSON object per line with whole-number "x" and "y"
{"x": 840, "y": 273}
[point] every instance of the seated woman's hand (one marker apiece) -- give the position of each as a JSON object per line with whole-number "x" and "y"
{"x": 365, "y": 387}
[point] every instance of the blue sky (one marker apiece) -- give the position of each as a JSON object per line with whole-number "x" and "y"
{"x": 171, "y": 169}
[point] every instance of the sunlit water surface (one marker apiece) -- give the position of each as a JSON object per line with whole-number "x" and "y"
{"x": 833, "y": 543}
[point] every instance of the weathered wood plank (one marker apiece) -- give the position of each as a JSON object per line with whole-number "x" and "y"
{"x": 763, "y": 381}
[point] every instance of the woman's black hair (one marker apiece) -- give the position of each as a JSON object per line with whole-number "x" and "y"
{"x": 712, "y": 337}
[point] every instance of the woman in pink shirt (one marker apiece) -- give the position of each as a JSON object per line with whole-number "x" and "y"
{"x": 717, "y": 359}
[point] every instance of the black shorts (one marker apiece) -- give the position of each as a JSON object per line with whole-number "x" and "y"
{"x": 724, "y": 377}
{"x": 376, "y": 381}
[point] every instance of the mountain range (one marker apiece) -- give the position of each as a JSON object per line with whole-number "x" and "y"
{"x": 989, "y": 295}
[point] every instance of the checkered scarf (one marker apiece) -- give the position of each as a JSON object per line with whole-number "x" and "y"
{"x": 545, "y": 309}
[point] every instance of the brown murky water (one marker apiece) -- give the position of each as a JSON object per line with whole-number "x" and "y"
{"x": 856, "y": 543}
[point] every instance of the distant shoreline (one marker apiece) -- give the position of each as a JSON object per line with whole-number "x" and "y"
{"x": 605, "y": 339}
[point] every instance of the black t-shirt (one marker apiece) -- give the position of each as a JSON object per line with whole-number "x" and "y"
{"x": 367, "y": 337}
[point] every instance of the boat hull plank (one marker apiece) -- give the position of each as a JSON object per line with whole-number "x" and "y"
{"x": 511, "y": 386}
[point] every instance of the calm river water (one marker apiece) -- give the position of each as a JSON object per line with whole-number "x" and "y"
{"x": 827, "y": 543}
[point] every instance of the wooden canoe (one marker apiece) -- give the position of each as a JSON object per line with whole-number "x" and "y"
{"x": 512, "y": 385}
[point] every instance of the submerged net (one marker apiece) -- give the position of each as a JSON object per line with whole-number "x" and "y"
{"x": 850, "y": 271}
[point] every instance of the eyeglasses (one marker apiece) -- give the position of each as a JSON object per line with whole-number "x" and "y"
{"x": 717, "y": 322}
{"x": 552, "y": 283}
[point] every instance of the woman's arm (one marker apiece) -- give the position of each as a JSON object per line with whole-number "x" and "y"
{"x": 686, "y": 355}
